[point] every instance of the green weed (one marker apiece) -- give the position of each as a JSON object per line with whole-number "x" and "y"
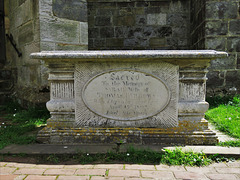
{"x": 53, "y": 158}
{"x": 178, "y": 157}
{"x": 230, "y": 143}
{"x": 226, "y": 117}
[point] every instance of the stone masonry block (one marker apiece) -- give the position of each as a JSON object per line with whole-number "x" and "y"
{"x": 177, "y": 32}
{"x": 225, "y": 63}
{"x": 27, "y": 50}
{"x": 69, "y": 47}
{"x": 47, "y": 46}
{"x": 20, "y": 2}
{"x": 121, "y": 31}
{"x": 233, "y": 44}
{"x": 84, "y": 33}
{"x": 141, "y": 19}
{"x": 125, "y": 4}
{"x": 157, "y": 42}
{"x": 148, "y": 31}
{"x": 59, "y": 31}
{"x": 128, "y": 20}
{"x": 26, "y": 34}
{"x": 221, "y": 10}
{"x": 216, "y": 28}
{"x": 106, "y": 12}
{"x": 130, "y": 42}
{"x": 234, "y": 26}
{"x": 106, "y": 32}
{"x": 23, "y": 14}
{"x": 103, "y": 21}
{"x": 238, "y": 61}
{"x": 13, "y": 5}
{"x": 157, "y": 19}
{"x": 177, "y": 20}
{"x": 179, "y": 6}
{"x": 233, "y": 79}
{"x": 135, "y": 32}
{"x": 93, "y": 32}
{"x": 45, "y": 8}
{"x": 106, "y": 5}
{"x": 141, "y": 4}
{"x": 113, "y": 42}
{"x": 74, "y": 9}
{"x": 99, "y": 43}
{"x": 152, "y": 10}
{"x": 214, "y": 79}
{"x": 164, "y": 31}
{"x": 215, "y": 43}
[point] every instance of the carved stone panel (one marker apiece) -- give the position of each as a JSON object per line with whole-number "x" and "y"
{"x": 126, "y": 95}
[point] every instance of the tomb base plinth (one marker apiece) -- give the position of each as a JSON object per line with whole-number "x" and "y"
{"x": 135, "y": 97}
{"x": 137, "y": 136}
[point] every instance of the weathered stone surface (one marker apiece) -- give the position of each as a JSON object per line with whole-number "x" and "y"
{"x": 135, "y": 23}
{"x": 26, "y": 34}
{"x": 221, "y": 10}
{"x": 126, "y": 95}
{"x": 166, "y": 54}
{"x": 157, "y": 19}
{"x": 126, "y": 20}
{"x": 234, "y": 27}
{"x": 59, "y": 31}
{"x": 115, "y": 101}
{"x": 71, "y": 9}
{"x": 118, "y": 98}
{"x": 164, "y": 31}
{"x": 84, "y": 33}
{"x": 106, "y": 32}
{"x": 141, "y": 19}
{"x": 216, "y": 43}
{"x": 103, "y": 21}
{"x": 177, "y": 20}
{"x": 216, "y": 28}
{"x": 233, "y": 78}
{"x": 233, "y": 44}
{"x": 157, "y": 42}
{"x": 93, "y": 32}
{"x": 238, "y": 61}
{"x": 224, "y": 63}
{"x": 214, "y": 79}
{"x": 114, "y": 42}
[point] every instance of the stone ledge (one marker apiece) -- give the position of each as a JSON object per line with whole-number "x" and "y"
{"x": 142, "y": 54}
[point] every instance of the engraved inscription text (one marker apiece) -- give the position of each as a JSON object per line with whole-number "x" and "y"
{"x": 126, "y": 95}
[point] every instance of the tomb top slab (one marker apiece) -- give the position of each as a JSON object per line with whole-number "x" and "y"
{"x": 132, "y": 54}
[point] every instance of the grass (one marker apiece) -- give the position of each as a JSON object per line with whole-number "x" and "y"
{"x": 18, "y": 122}
{"x": 235, "y": 143}
{"x": 226, "y": 118}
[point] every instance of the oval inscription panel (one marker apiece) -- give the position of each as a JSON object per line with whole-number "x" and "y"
{"x": 126, "y": 95}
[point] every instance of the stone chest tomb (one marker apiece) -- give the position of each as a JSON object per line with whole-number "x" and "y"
{"x": 140, "y": 97}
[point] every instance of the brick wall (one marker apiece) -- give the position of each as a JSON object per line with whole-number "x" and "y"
{"x": 152, "y": 24}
